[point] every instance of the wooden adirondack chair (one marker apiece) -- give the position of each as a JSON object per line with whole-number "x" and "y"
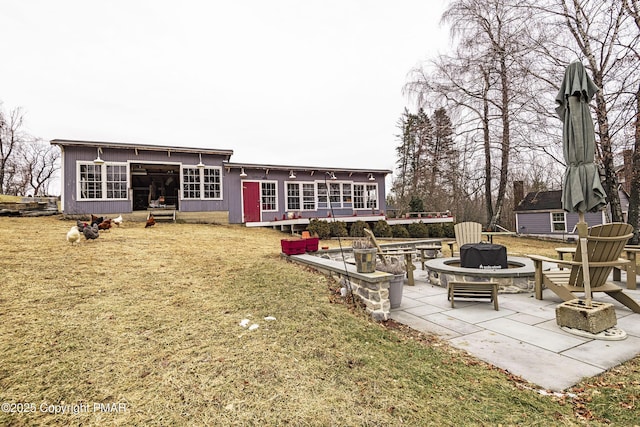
{"x": 604, "y": 246}
{"x": 466, "y": 232}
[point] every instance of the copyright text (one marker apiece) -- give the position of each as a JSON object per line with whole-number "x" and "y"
{"x": 52, "y": 408}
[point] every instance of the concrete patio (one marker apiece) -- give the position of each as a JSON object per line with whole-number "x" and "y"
{"x": 522, "y": 337}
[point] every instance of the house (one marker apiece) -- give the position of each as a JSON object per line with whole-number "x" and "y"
{"x": 110, "y": 178}
{"x": 541, "y": 213}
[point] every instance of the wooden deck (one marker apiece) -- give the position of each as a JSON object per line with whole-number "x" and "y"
{"x": 299, "y": 223}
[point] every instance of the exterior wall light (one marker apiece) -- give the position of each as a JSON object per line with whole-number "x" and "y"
{"x": 98, "y": 160}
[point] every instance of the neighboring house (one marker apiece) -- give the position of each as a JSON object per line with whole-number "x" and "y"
{"x": 106, "y": 178}
{"x": 541, "y": 213}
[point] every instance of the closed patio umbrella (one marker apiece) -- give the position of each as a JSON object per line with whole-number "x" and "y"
{"x": 581, "y": 188}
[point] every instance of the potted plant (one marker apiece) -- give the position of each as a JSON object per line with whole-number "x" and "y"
{"x": 293, "y": 246}
{"x": 364, "y": 253}
{"x": 396, "y": 284}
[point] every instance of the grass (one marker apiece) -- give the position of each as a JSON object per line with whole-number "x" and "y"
{"x": 9, "y": 199}
{"x": 148, "y": 319}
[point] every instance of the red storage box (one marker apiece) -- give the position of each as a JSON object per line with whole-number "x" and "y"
{"x": 293, "y": 247}
{"x": 312, "y": 244}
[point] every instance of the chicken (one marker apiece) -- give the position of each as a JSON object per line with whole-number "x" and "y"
{"x": 91, "y": 232}
{"x": 105, "y": 225}
{"x": 96, "y": 219}
{"x": 73, "y": 235}
{"x": 81, "y": 225}
{"x": 150, "y": 222}
{"x": 117, "y": 221}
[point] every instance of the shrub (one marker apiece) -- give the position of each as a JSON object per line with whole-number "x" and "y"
{"x": 448, "y": 230}
{"x": 357, "y": 229}
{"x": 382, "y": 229}
{"x": 338, "y": 229}
{"x": 319, "y": 227}
{"x": 436, "y": 230}
{"x": 399, "y": 231}
{"x": 418, "y": 229}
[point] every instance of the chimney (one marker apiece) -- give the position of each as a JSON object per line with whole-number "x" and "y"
{"x": 518, "y": 192}
{"x": 627, "y": 171}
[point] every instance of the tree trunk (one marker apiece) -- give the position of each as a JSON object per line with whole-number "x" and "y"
{"x": 606, "y": 156}
{"x": 634, "y": 199}
{"x": 505, "y": 146}
{"x": 487, "y": 150}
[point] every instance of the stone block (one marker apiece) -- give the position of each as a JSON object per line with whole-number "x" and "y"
{"x": 595, "y": 319}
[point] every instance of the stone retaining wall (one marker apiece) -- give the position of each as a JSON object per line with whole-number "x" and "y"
{"x": 371, "y": 288}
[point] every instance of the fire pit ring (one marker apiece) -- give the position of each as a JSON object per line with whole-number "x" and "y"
{"x": 519, "y": 277}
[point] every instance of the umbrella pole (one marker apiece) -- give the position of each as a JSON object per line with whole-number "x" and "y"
{"x": 586, "y": 278}
{"x": 581, "y": 226}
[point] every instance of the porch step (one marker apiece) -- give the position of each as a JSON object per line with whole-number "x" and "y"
{"x": 163, "y": 215}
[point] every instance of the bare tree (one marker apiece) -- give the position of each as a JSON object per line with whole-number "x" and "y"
{"x": 27, "y": 165}
{"x": 11, "y": 139}
{"x": 40, "y": 166}
{"x": 632, "y": 8}
{"x": 483, "y": 85}
{"x": 596, "y": 30}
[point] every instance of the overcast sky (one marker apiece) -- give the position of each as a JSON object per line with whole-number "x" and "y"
{"x": 299, "y": 82}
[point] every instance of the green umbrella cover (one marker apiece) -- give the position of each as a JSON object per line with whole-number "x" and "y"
{"x": 581, "y": 189}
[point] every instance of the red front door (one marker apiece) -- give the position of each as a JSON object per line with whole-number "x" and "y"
{"x": 251, "y": 201}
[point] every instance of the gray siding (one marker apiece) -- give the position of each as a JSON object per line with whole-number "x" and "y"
{"x": 231, "y": 200}
{"x": 540, "y": 222}
{"x": 234, "y": 187}
{"x": 74, "y": 154}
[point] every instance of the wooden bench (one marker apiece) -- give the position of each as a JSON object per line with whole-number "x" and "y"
{"x": 631, "y": 252}
{"x": 475, "y": 290}
{"x": 428, "y": 252}
{"x": 565, "y": 250}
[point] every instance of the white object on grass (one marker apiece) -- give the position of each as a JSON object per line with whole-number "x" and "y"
{"x": 254, "y": 327}
{"x": 244, "y": 323}
{"x": 268, "y": 318}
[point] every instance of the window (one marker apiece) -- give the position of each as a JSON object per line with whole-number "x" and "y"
{"x": 358, "y": 196}
{"x": 346, "y": 195}
{"x": 211, "y": 183}
{"x": 268, "y": 190}
{"x": 322, "y": 195}
{"x": 301, "y": 196}
{"x": 191, "y": 183}
{"x": 372, "y": 196}
{"x": 293, "y": 196}
{"x": 365, "y": 196}
{"x": 201, "y": 183}
{"x": 334, "y": 194}
{"x": 309, "y": 197}
{"x": 90, "y": 181}
{"x": 558, "y": 221}
{"x": 102, "y": 182}
{"x": 116, "y": 181}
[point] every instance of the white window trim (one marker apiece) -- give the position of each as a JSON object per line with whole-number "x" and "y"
{"x": 564, "y": 221}
{"x": 201, "y": 172}
{"x": 275, "y": 182}
{"x": 103, "y": 181}
{"x": 365, "y": 196}
{"x": 300, "y": 185}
